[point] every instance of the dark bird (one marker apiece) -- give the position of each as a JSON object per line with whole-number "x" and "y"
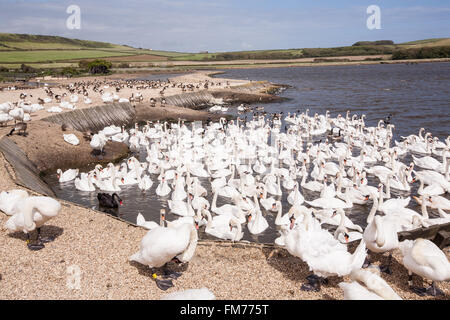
{"x": 21, "y": 127}
{"x": 109, "y": 201}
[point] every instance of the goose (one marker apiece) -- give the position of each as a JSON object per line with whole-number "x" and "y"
{"x": 425, "y": 259}
{"x": 375, "y": 288}
{"x": 10, "y": 200}
{"x": 161, "y": 245}
{"x": 84, "y": 183}
{"x": 67, "y": 175}
{"x": 33, "y": 213}
{"x": 190, "y": 294}
{"x": 109, "y": 201}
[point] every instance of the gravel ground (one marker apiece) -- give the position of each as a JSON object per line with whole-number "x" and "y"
{"x": 100, "y": 246}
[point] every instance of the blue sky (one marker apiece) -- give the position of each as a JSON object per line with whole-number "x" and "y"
{"x": 229, "y": 25}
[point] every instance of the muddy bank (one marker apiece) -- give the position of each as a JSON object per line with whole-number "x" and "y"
{"x": 45, "y": 147}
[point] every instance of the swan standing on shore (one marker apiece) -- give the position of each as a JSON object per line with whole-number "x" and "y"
{"x": 32, "y": 214}
{"x": 425, "y": 259}
{"x": 161, "y": 245}
{"x": 10, "y": 200}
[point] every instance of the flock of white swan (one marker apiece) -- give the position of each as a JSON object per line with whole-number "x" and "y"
{"x": 252, "y": 163}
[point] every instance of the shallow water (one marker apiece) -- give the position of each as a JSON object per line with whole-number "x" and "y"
{"x": 417, "y": 96}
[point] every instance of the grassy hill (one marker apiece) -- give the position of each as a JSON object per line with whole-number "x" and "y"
{"x": 41, "y": 50}
{"x": 53, "y": 52}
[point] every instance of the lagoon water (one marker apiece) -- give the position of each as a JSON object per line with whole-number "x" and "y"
{"x": 416, "y": 96}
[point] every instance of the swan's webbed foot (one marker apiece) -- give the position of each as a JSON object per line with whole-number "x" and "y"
{"x": 164, "y": 284}
{"x": 171, "y": 274}
{"x": 419, "y": 291}
{"x": 385, "y": 269}
{"x": 35, "y": 246}
{"x": 314, "y": 283}
{"x": 311, "y": 287}
{"x": 434, "y": 291}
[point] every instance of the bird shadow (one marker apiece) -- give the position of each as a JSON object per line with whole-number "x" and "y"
{"x": 148, "y": 272}
{"x": 46, "y": 231}
{"x": 292, "y": 268}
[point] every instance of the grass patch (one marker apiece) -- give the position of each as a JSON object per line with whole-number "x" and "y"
{"x": 54, "y": 55}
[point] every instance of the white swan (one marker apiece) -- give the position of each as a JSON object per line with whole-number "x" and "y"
{"x": 295, "y": 197}
{"x": 67, "y": 175}
{"x": 163, "y": 188}
{"x": 160, "y": 245}
{"x": 375, "y": 288}
{"x": 425, "y": 259}
{"x": 84, "y": 183}
{"x": 222, "y": 227}
{"x": 32, "y": 213}
{"x": 10, "y": 200}
{"x": 324, "y": 255}
{"x": 72, "y": 139}
{"x": 256, "y": 221}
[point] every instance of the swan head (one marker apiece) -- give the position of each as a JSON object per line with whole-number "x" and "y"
{"x": 292, "y": 222}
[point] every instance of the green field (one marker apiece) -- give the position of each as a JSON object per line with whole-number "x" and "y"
{"x": 55, "y": 52}
{"x": 54, "y": 55}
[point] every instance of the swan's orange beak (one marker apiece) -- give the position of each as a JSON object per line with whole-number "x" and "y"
{"x": 346, "y": 236}
{"x": 249, "y": 218}
{"x": 121, "y": 202}
{"x": 196, "y": 225}
{"x": 367, "y": 198}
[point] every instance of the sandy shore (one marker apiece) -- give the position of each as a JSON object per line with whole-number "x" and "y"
{"x": 100, "y": 245}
